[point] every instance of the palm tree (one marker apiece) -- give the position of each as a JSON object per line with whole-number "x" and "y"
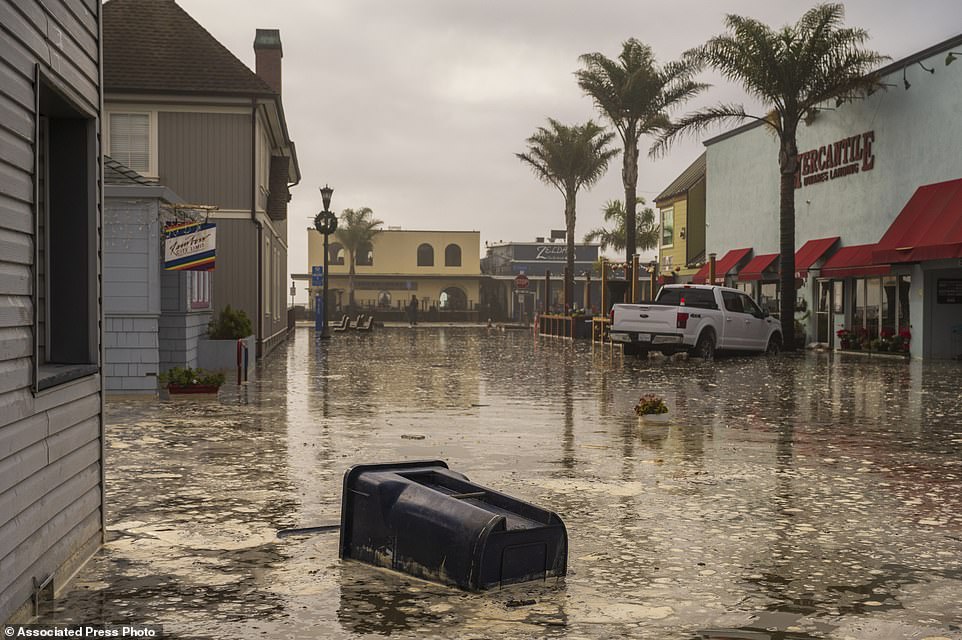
{"x": 791, "y": 70}
{"x": 635, "y": 94}
{"x": 646, "y": 231}
{"x": 356, "y": 232}
{"x": 569, "y": 158}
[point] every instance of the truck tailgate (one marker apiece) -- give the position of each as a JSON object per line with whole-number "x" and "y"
{"x": 645, "y": 318}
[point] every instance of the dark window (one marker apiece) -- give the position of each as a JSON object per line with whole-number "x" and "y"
{"x": 452, "y": 256}
{"x": 335, "y": 253}
{"x": 65, "y": 254}
{"x": 733, "y": 302}
{"x": 749, "y": 306}
{"x": 365, "y": 256}
{"x": 425, "y": 255}
{"x": 698, "y": 298}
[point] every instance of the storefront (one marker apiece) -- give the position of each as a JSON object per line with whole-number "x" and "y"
{"x": 878, "y": 211}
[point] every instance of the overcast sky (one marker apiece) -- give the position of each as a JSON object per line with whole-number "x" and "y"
{"x": 416, "y": 108}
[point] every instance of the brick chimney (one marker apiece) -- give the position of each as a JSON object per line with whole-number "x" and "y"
{"x": 268, "y": 54}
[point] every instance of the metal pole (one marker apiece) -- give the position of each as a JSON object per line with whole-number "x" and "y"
{"x": 634, "y": 278}
{"x": 324, "y": 333}
{"x": 547, "y": 291}
{"x": 711, "y": 268}
{"x": 604, "y": 286}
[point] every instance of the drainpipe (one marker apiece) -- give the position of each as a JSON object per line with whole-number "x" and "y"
{"x": 260, "y": 232}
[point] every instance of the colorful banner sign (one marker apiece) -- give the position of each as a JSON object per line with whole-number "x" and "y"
{"x": 190, "y": 246}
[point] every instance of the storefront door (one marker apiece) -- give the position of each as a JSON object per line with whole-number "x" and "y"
{"x": 823, "y": 312}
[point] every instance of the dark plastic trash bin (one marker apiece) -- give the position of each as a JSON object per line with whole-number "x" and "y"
{"x": 423, "y": 519}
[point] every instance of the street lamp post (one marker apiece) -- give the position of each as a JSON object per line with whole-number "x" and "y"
{"x": 326, "y": 223}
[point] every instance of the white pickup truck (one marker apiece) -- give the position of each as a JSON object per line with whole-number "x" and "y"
{"x": 698, "y": 319}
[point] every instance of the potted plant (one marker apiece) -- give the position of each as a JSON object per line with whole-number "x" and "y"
{"x": 905, "y": 337}
{"x": 221, "y": 351}
{"x": 845, "y": 338}
{"x": 651, "y": 408}
{"x": 184, "y": 380}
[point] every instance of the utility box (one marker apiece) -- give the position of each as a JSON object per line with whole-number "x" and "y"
{"x": 423, "y": 519}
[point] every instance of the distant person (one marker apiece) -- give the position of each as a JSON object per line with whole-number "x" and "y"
{"x": 413, "y": 311}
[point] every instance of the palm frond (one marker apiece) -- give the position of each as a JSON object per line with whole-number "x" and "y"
{"x": 698, "y": 122}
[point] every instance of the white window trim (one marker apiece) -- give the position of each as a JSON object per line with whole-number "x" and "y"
{"x": 661, "y": 227}
{"x": 152, "y": 169}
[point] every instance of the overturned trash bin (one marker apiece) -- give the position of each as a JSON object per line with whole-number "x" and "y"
{"x": 428, "y": 521}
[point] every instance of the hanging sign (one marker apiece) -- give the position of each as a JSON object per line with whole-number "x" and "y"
{"x": 190, "y": 246}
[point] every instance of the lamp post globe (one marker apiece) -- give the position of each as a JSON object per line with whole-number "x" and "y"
{"x": 326, "y": 223}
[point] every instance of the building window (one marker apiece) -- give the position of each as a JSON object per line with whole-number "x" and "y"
{"x": 335, "y": 253}
{"x": 425, "y": 255}
{"x": 667, "y": 227}
{"x": 365, "y": 256}
{"x": 452, "y": 256}
{"x": 198, "y": 282}
{"x": 130, "y": 140}
{"x": 65, "y": 253}
{"x": 384, "y": 299}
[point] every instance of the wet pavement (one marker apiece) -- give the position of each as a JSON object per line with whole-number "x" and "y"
{"x": 797, "y": 497}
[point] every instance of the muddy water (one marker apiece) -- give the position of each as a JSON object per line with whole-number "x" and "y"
{"x": 800, "y": 497}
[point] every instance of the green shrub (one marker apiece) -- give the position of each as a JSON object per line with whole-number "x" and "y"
{"x": 187, "y": 377}
{"x": 231, "y": 324}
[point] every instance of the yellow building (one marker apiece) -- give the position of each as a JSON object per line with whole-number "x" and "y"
{"x": 681, "y": 214}
{"x": 441, "y": 268}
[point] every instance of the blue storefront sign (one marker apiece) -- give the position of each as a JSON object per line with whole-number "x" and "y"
{"x": 317, "y": 276}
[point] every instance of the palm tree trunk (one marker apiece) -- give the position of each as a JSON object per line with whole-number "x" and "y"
{"x": 788, "y": 162}
{"x": 570, "y": 235}
{"x": 350, "y": 283}
{"x": 629, "y": 176}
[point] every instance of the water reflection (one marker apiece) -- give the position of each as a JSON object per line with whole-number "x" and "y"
{"x": 809, "y": 495}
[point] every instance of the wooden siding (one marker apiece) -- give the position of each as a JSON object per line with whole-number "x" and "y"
{"x": 51, "y": 494}
{"x": 234, "y": 280}
{"x": 202, "y": 158}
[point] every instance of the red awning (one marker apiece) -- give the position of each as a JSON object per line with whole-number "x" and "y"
{"x": 722, "y": 267}
{"x": 754, "y": 269}
{"x": 853, "y": 262}
{"x": 810, "y": 253}
{"x": 928, "y": 228}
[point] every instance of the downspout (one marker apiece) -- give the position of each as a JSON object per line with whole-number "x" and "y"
{"x": 100, "y": 278}
{"x": 260, "y": 231}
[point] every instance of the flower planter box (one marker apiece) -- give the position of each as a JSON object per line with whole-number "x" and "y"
{"x": 654, "y": 418}
{"x": 221, "y": 355}
{"x": 891, "y": 355}
{"x": 192, "y": 389}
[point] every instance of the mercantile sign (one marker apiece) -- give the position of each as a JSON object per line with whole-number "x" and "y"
{"x": 839, "y": 159}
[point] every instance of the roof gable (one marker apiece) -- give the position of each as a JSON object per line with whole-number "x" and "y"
{"x": 154, "y": 46}
{"x": 688, "y": 179}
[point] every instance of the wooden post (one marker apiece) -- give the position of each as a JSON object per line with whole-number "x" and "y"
{"x": 634, "y": 278}
{"x": 547, "y": 291}
{"x": 568, "y": 294}
{"x": 604, "y": 287}
{"x": 587, "y": 293}
{"x": 711, "y": 268}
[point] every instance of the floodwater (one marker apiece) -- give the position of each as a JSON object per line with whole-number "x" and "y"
{"x": 798, "y": 497}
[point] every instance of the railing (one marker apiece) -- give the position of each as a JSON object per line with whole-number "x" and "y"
{"x": 564, "y": 326}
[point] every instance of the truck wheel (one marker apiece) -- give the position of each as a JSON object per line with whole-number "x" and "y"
{"x": 774, "y": 345}
{"x": 705, "y": 347}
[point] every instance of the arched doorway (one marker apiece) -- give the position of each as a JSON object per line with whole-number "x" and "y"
{"x": 453, "y": 299}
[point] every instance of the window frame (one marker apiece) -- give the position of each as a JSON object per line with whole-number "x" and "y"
{"x": 152, "y": 170}
{"x": 667, "y": 212}
{"x": 82, "y": 353}
{"x": 418, "y": 255}
{"x": 452, "y": 263}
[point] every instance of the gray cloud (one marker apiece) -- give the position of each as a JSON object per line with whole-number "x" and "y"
{"x": 416, "y": 107}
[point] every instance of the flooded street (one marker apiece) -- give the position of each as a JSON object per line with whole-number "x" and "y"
{"x": 806, "y": 496}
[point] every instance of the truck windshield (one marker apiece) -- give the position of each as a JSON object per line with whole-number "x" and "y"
{"x": 698, "y": 298}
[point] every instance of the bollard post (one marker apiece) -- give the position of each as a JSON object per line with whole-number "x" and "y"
{"x": 547, "y": 291}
